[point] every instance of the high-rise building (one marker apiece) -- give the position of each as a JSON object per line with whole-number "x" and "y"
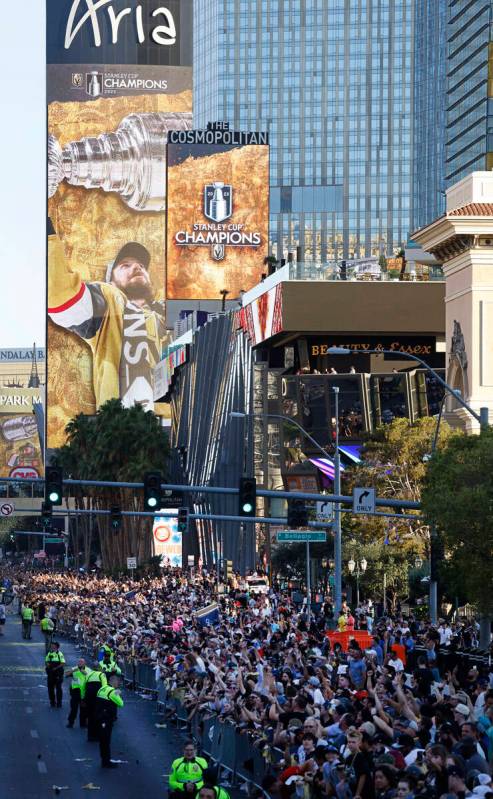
{"x": 469, "y": 145}
{"x": 430, "y": 105}
{"x": 332, "y": 82}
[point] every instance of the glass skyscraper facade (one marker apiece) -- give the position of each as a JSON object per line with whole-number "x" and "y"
{"x": 332, "y": 82}
{"x": 430, "y": 107}
{"x": 469, "y": 134}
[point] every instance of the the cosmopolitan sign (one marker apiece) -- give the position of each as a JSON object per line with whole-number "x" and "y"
{"x": 224, "y": 208}
{"x": 217, "y": 134}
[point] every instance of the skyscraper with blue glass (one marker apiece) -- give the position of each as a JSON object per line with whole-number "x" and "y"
{"x": 332, "y": 82}
{"x": 429, "y": 113}
{"x": 469, "y": 143}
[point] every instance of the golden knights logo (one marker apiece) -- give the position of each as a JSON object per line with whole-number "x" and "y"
{"x": 218, "y": 201}
{"x": 77, "y": 79}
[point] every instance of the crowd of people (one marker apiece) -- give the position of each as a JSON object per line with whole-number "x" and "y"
{"x": 386, "y": 717}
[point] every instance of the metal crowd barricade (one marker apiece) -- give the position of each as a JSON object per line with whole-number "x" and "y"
{"x": 162, "y": 696}
{"x": 128, "y": 672}
{"x": 145, "y": 678}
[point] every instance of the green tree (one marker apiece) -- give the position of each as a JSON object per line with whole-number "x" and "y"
{"x": 119, "y": 445}
{"x": 394, "y": 462}
{"x": 458, "y": 497}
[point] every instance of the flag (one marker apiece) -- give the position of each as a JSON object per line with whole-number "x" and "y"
{"x": 209, "y": 615}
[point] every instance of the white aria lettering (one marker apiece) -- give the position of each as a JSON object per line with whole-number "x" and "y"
{"x": 115, "y": 21}
{"x": 161, "y": 34}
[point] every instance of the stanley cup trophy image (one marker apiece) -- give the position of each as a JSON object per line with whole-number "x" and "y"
{"x": 129, "y": 161}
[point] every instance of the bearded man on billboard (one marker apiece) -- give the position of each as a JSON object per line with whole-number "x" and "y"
{"x": 118, "y": 318}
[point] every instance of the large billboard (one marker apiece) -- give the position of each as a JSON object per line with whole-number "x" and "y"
{"x": 119, "y": 78}
{"x": 218, "y": 212}
{"x": 20, "y": 448}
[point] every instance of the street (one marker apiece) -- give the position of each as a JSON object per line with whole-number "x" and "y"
{"x": 39, "y": 753}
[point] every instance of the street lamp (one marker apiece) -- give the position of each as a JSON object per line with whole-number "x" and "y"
{"x": 360, "y": 567}
{"x": 239, "y": 415}
{"x": 482, "y": 418}
{"x": 418, "y": 562}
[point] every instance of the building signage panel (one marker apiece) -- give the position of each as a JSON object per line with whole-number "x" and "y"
{"x": 119, "y": 77}
{"x": 218, "y": 213}
{"x": 413, "y": 345}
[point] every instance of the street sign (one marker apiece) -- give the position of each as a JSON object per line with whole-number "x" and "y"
{"x": 171, "y": 500}
{"x": 6, "y": 509}
{"x": 305, "y": 536}
{"x": 53, "y": 540}
{"x": 364, "y": 500}
{"x": 131, "y": 563}
{"x": 325, "y": 511}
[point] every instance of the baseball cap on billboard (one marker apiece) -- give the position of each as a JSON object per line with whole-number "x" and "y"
{"x": 132, "y": 249}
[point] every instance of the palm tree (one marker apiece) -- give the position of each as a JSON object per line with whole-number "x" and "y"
{"x": 119, "y": 445}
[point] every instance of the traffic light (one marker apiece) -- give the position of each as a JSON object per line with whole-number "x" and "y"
{"x": 115, "y": 518}
{"x": 437, "y": 555}
{"x": 297, "y": 513}
{"x": 183, "y": 520}
{"x": 152, "y": 490}
{"x": 248, "y": 497}
{"x": 53, "y": 485}
{"x": 46, "y": 514}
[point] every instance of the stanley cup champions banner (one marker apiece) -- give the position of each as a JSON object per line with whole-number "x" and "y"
{"x": 119, "y": 79}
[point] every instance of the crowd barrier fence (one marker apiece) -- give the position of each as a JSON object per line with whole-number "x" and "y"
{"x": 234, "y": 752}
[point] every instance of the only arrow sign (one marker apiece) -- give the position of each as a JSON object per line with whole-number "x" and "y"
{"x": 364, "y": 500}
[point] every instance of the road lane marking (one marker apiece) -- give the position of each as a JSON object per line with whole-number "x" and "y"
{"x": 42, "y": 767}
{"x": 34, "y": 734}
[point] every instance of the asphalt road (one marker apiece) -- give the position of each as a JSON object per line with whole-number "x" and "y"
{"x": 38, "y": 752}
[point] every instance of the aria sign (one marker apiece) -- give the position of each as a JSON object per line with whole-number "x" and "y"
{"x": 164, "y": 34}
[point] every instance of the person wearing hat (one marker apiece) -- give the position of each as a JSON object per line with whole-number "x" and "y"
{"x": 118, "y": 318}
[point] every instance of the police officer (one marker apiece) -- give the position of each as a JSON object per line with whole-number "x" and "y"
{"x": 211, "y": 777}
{"x": 186, "y": 776}
{"x": 55, "y": 662}
{"x": 27, "y": 620}
{"x": 108, "y": 699}
{"x": 105, "y": 650}
{"x": 95, "y": 680}
{"x": 109, "y": 665}
{"x": 212, "y": 792}
{"x": 47, "y": 628}
{"x": 79, "y": 676}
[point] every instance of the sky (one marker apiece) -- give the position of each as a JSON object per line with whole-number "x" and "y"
{"x": 23, "y": 170}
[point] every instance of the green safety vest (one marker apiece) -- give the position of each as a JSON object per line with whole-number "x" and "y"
{"x": 96, "y": 676}
{"x": 110, "y": 668}
{"x": 183, "y": 771}
{"x": 27, "y": 614}
{"x": 221, "y": 793}
{"x": 79, "y": 679}
{"x": 47, "y": 625}
{"x": 109, "y": 694}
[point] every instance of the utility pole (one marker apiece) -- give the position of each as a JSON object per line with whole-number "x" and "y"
{"x": 337, "y": 510}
